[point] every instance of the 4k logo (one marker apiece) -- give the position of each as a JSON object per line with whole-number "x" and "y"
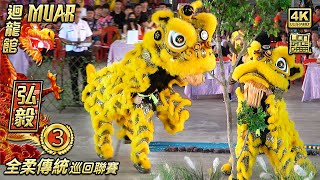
{"x": 300, "y": 18}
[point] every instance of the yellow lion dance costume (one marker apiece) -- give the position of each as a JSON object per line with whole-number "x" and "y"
{"x": 177, "y": 52}
{"x": 265, "y": 78}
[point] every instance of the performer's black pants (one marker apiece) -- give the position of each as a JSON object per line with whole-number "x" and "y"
{"x": 78, "y": 61}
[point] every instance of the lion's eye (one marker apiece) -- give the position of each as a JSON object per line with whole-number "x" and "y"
{"x": 204, "y": 35}
{"x": 282, "y": 65}
{"x": 176, "y": 40}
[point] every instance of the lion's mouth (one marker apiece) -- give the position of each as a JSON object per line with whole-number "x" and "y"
{"x": 254, "y": 92}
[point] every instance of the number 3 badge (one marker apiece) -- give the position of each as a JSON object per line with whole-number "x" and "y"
{"x": 57, "y": 139}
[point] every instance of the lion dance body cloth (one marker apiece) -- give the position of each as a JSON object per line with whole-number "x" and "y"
{"x": 265, "y": 77}
{"x": 177, "y": 52}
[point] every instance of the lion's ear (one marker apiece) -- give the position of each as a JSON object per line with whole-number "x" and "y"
{"x": 162, "y": 17}
{"x": 296, "y": 72}
{"x": 253, "y": 48}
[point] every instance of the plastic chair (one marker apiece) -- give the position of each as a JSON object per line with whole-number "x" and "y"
{"x": 112, "y": 34}
{"x": 300, "y": 58}
{"x": 306, "y": 62}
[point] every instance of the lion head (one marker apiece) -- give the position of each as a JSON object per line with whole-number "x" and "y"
{"x": 268, "y": 72}
{"x": 182, "y": 42}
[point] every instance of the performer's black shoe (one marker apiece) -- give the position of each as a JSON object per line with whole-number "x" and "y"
{"x": 127, "y": 140}
{"x": 141, "y": 169}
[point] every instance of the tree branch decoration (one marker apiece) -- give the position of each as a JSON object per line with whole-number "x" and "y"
{"x": 253, "y": 118}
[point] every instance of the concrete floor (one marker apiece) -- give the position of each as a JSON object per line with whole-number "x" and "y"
{"x": 207, "y": 123}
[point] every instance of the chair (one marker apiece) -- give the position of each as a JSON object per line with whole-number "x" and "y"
{"x": 112, "y": 34}
{"x": 306, "y": 62}
{"x": 300, "y": 58}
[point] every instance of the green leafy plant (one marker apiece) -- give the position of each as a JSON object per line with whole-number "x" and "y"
{"x": 255, "y": 120}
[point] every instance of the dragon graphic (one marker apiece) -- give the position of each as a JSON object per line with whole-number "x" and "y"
{"x": 32, "y": 40}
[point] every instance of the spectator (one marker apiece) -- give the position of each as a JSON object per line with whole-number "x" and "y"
{"x": 283, "y": 41}
{"x": 93, "y": 24}
{"x": 102, "y": 2}
{"x": 316, "y": 17}
{"x": 316, "y": 51}
{"x": 314, "y": 36}
{"x": 132, "y": 24}
{"x": 127, "y": 11}
{"x": 137, "y": 11}
{"x": 83, "y": 10}
{"x": 225, "y": 49}
{"x": 106, "y": 19}
{"x": 145, "y": 11}
{"x": 162, "y": 6}
{"x": 279, "y": 23}
{"x": 97, "y": 12}
{"x": 145, "y": 25}
{"x": 306, "y": 4}
{"x": 73, "y": 34}
{"x": 118, "y": 15}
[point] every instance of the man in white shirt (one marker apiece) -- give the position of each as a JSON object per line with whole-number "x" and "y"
{"x": 73, "y": 34}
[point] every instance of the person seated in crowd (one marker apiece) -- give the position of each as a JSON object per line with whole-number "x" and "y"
{"x": 162, "y": 6}
{"x": 145, "y": 25}
{"x": 225, "y": 49}
{"x": 316, "y": 51}
{"x": 106, "y": 19}
{"x": 145, "y": 10}
{"x": 137, "y": 11}
{"x": 118, "y": 15}
{"x": 279, "y": 22}
{"x": 283, "y": 41}
{"x": 132, "y": 24}
{"x": 102, "y": 2}
{"x": 94, "y": 26}
{"x": 316, "y": 17}
{"x": 97, "y": 12}
{"x": 127, "y": 11}
{"x": 83, "y": 9}
{"x": 314, "y": 36}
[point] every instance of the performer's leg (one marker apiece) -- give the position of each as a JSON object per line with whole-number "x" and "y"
{"x": 142, "y": 135}
{"x": 246, "y": 154}
{"x": 284, "y": 160}
{"x": 103, "y": 129}
{"x": 73, "y": 63}
{"x": 85, "y": 60}
{"x": 246, "y": 158}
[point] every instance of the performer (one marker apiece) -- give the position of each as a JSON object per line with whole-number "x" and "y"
{"x": 129, "y": 92}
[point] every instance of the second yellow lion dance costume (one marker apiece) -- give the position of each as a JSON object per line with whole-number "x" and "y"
{"x": 266, "y": 76}
{"x": 177, "y": 52}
